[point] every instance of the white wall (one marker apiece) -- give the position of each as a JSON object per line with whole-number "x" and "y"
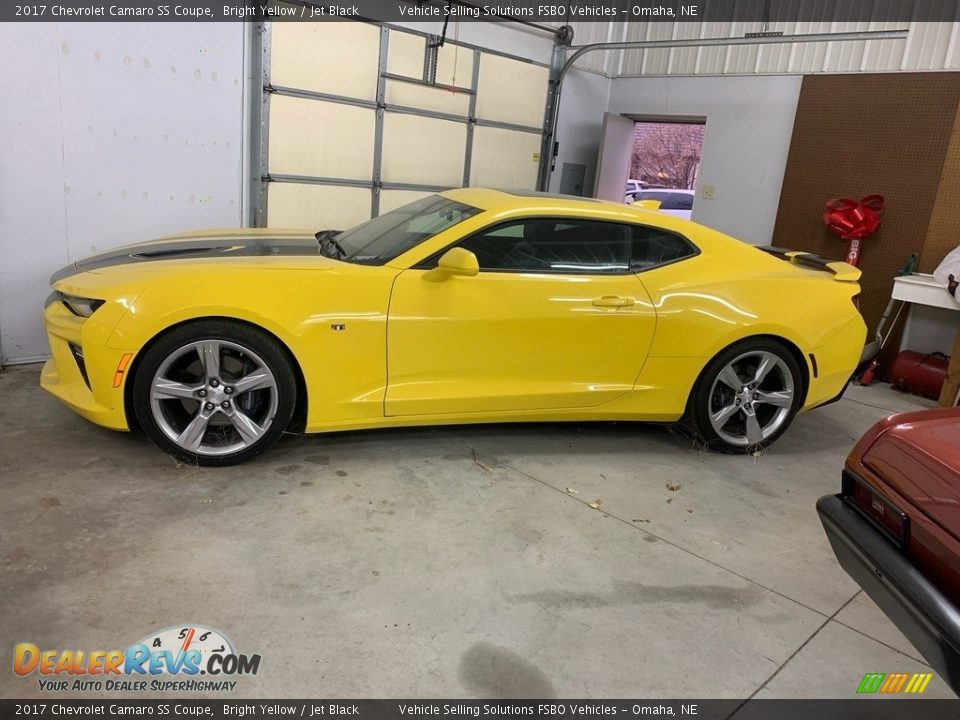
{"x": 747, "y": 138}
{"x": 114, "y": 133}
{"x": 580, "y": 125}
{"x": 110, "y": 133}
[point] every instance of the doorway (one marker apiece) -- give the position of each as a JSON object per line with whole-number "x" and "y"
{"x": 651, "y": 158}
{"x": 665, "y": 164}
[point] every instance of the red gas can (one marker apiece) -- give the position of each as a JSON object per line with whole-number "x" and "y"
{"x": 921, "y": 374}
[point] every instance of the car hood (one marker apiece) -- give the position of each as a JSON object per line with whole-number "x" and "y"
{"x": 919, "y": 454}
{"x": 203, "y": 244}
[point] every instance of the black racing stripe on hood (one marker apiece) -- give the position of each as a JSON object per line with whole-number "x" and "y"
{"x": 200, "y": 248}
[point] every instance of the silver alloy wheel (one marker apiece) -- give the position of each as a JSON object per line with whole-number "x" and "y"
{"x": 751, "y": 398}
{"x": 213, "y": 397}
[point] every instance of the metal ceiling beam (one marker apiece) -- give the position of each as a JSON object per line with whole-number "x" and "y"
{"x": 560, "y": 68}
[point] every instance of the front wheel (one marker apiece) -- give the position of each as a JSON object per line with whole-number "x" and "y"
{"x": 214, "y": 392}
{"x": 746, "y": 397}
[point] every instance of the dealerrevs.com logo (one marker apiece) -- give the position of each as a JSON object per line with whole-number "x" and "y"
{"x": 170, "y": 660}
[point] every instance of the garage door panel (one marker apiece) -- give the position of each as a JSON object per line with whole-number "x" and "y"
{"x": 511, "y": 91}
{"x": 504, "y": 158}
{"x": 454, "y": 65}
{"x": 329, "y": 139}
{"x": 320, "y": 139}
{"x": 421, "y": 150}
{"x": 392, "y": 199}
{"x": 405, "y": 53}
{"x": 339, "y": 58}
{"x": 324, "y": 207}
{"x": 427, "y": 98}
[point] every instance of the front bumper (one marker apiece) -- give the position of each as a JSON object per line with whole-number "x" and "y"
{"x": 94, "y": 396}
{"x": 921, "y": 612}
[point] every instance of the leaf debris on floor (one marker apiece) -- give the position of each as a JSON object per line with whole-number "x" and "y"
{"x": 476, "y": 461}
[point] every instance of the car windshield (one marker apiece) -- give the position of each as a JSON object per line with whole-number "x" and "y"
{"x": 383, "y": 238}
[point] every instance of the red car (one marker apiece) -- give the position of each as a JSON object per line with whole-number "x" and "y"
{"x": 895, "y": 528}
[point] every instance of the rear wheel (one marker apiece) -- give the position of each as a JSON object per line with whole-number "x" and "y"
{"x": 214, "y": 392}
{"x": 746, "y": 397}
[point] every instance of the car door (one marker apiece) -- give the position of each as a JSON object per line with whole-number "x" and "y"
{"x": 555, "y": 318}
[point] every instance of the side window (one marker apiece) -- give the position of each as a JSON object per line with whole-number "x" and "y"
{"x": 554, "y": 245}
{"x": 654, "y": 246}
{"x": 679, "y": 201}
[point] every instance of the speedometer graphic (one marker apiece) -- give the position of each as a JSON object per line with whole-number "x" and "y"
{"x": 184, "y": 638}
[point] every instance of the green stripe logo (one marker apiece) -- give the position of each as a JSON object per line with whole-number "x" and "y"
{"x": 894, "y": 683}
{"x": 871, "y": 682}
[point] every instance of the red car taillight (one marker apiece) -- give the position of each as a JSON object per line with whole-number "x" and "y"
{"x": 876, "y": 508}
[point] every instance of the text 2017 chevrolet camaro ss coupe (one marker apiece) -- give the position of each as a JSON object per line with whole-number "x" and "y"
{"x": 468, "y": 306}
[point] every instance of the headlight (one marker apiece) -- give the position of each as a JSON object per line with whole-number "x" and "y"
{"x": 80, "y": 306}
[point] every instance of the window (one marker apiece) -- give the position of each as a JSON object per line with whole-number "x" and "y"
{"x": 679, "y": 201}
{"x": 669, "y": 200}
{"x": 553, "y": 245}
{"x": 385, "y": 237}
{"x": 567, "y": 245}
{"x": 654, "y": 195}
{"x": 653, "y": 246}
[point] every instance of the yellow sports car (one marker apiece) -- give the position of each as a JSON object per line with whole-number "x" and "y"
{"x": 472, "y": 305}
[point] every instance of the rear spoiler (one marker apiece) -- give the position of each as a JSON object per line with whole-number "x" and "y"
{"x": 842, "y": 271}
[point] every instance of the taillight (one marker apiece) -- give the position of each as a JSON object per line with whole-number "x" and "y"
{"x": 876, "y": 508}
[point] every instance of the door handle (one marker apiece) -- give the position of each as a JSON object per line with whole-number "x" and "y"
{"x": 613, "y": 301}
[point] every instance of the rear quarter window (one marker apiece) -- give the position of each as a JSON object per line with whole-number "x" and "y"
{"x": 653, "y": 247}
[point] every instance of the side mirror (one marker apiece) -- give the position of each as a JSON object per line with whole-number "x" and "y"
{"x": 455, "y": 261}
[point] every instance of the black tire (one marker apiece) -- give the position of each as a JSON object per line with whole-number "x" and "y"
{"x": 712, "y": 395}
{"x": 243, "y": 353}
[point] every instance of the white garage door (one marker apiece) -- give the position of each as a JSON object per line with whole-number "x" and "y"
{"x": 359, "y": 118}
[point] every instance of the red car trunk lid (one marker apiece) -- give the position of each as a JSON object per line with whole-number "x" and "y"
{"x": 921, "y": 459}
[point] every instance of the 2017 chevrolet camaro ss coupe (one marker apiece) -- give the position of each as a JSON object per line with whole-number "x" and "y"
{"x": 473, "y": 305}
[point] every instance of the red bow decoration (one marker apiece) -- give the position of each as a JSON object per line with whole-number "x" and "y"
{"x": 853, "y": 220}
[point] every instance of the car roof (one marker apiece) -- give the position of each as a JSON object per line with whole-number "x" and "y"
{"x": 681, "y": 191}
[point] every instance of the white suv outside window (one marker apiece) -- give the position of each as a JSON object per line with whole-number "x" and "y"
{"x": 676, "y": 202}
{"x": 633, "y": 189}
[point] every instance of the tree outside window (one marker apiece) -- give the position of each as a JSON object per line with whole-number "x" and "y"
{"x": 667, "y": 154}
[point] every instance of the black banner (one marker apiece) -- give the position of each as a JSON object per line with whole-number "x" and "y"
{"x": 764, "y": 12}
{"x": 858, "y": 709}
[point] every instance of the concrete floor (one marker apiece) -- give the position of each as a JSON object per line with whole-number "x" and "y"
{"x": 449, "y": 562}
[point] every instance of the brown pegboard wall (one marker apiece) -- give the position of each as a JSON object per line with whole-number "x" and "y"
{"x": 943, "y": 234}
{"x": 856, "y": 135}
